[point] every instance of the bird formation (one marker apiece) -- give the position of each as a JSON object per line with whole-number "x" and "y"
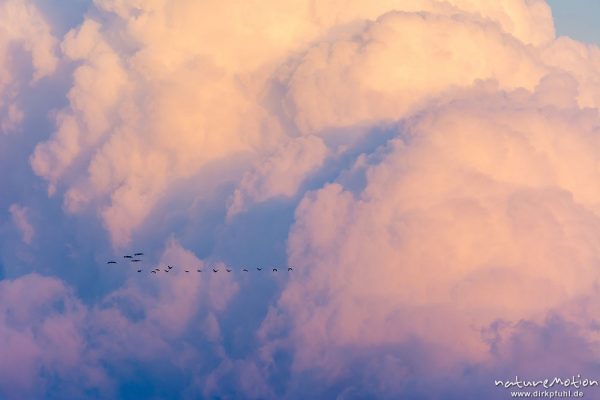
{"x": 136, "y": 257}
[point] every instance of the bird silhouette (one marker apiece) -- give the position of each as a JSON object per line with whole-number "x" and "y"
{"x": 187, "y": 270}
{"x": 135, "y": 260}
{"x": 274, "y": 269}
{"x": 228, "y": 270}
{"x": 260, "y": 269}
{"x": 139, "y": 270}
{"x": 166, "y": 270}
{"x": 138, "y": 254}
{"x": 290, "y": 268}
{"x": 169, "y": 267}
{"x": 111, "y": 262}
{"x": 199, "y": 270}
{"x": 215, "y": 270}
{"x": 153, "y": 271}
{"x": 127, "y": 256}
{"x": 245, "y": 270}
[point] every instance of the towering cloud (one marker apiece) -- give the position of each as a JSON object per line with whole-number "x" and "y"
{"x": 429, "y": 168}
{"x": 475, "y": 216}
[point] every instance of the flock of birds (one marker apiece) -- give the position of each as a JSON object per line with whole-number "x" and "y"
{"x": 135, "y": 258}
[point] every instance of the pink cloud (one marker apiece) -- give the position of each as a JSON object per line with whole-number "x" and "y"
{"x": 21, "y": 221}
{"x": 478, "y": 213}
{"x": 438, "y": 166}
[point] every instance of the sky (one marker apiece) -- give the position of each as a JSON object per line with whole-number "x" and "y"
{"x": 430, "y": 171}
{"x": 576, "y": 19}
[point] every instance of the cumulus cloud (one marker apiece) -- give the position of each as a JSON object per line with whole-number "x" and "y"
{"x": 476, "y": 214}
{"x": 150, "y": 106}
{"x": 430, "y": 170}
{"x": 22, "y": 27}
{"x": 42, "y": 336}
{"x": 384, "y": 72}
{"x": 51, "y": 337}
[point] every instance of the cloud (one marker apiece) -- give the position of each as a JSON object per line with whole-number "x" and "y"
{"x": 149, "y": 107}
{"x": 381, "y": 74}
{"x": 580, "y": 61}
{"x": 51, "y": 337}
{"x": 429, "y": 169}
{"x": 477, "y": 213}
{"x": 21, "y": 222}
{"x": 279, "y": 174}
{"x": 23, "y": 25}
{"x": 42, "y": 338}
{"x": 22, "y": 29}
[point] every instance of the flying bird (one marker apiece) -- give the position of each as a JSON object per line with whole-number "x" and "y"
{"x": 274, "y": 269}
{"x": 260, "y": 269}
{"x": 153, "y": 271}
{"x": 139, "y": 270}
{"x": 169, "y": 267}
{"x": 228, "y": 270}
{"x": 138, "y": 254}
{"x": 215, "y": 270}
{"x": 166, "y": 270}
{"x": 199, "y": 270}
{"x": 187, "y": 270}
{"x": 127, "y": 256}
{"x": 135, "y": 260}
{"x": 245, "y": 270}
{"x": 111, "y": 262}
{"x": 290, "y": 268}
